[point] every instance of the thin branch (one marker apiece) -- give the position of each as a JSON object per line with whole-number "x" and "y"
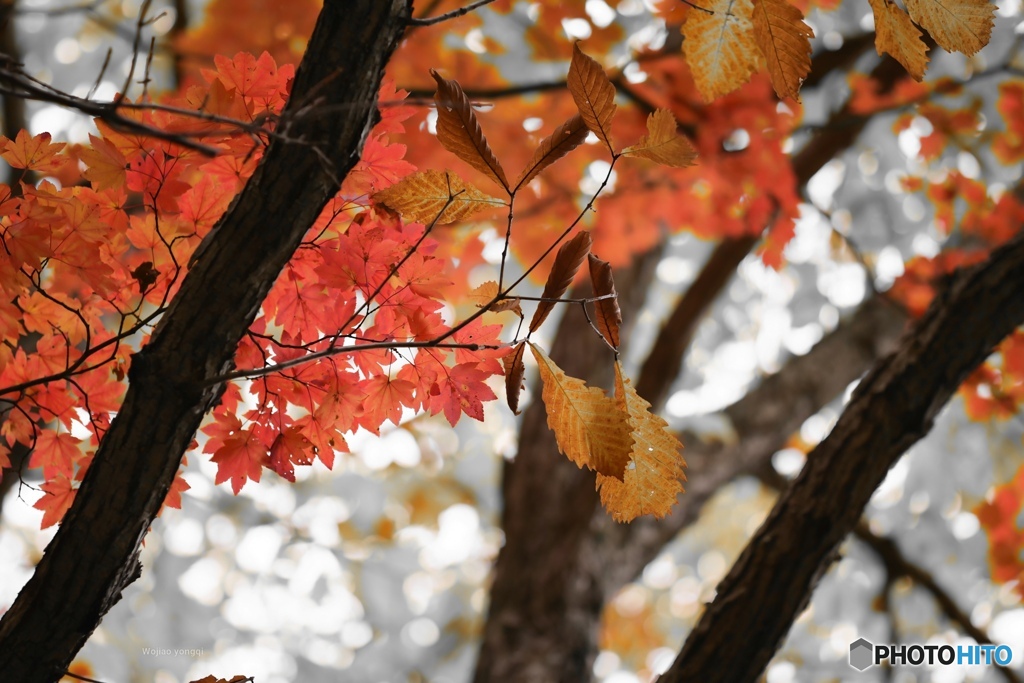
{"x": 60, "y": 11}
{"x": 340, "y": 350}
{"x": 449, "y": 15}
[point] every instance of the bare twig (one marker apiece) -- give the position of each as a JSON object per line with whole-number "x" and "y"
{"x": 449, "y": 15}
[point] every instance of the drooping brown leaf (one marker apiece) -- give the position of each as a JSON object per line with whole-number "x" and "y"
{"x": 514, "y": 371}
{"x": 214, "y": 679}
{"x": 896, "y": 35}
{"x": 609, "y": 317}
{"x": 784, "y": 40}
{"x": 653, "y": 478}
{"x": 567, "y": 261}
{"x": 593, "y": 93}
{"x": 589, "y": 426}
{"x": 719, "y": 46}
{"x": 565, "y": 139}
{"x": 663, "y": 143}
{"x": 956, "y": 25}
{"x": 484, "y": 295}
{"x": 459, "y": 132}
{"x": 423, "y": 195}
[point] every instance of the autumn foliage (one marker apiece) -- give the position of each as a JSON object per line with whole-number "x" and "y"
{"x": 378, "y": 315}
{"x": 111, "y": 236}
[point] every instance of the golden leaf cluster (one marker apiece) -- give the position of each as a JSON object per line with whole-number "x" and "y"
{"x": 637, "y": 459}
{"x": 956, "y": 25}
{"x": 726, "y": 41}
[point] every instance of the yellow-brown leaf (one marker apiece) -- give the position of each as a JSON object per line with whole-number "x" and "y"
{"x": 609, "y": 317}
{"x": 567, "y": 261}
{"x": 895, "y": 34}
{"x": 784, "y": 40}
{"x": 484, "y": 295}
{"x": 514, "y": 371}
{"x": 589, "y": 427}
{"x": 654, "y": 475}
{"x": 593, "y": 93}
{"x": 719, "y": 46}
{"x": 459, "y": 132}
{"x": 662, "y": 143}
{"x": 565, "y": 139}
{"x": 423, "y": 196}
{"x": 956, "y": 25}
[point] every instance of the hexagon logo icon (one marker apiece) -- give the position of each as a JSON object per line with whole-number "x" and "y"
{"x": 861, "y": 654}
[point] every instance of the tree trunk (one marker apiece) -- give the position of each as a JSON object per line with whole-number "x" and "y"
{"x": 893, "y": 407}
{"x": 94, "y": 555}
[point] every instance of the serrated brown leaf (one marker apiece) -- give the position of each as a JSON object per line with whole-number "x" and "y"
{"x": 214, "y": 679}
{"x": 589, "y": 427}
{"x": 653, "y": 478}
{"x": 423, "y": 195}
{"x": 784, "y": 40}
{"x": 459, "y": 132}
{"x": 514, "y": 371}
{"x": 956, "y": 25}
{"x": 719, "y": 46}
{"x": 485, "y": 293}
{"x": 565, "y": 139}
{"x": 609, "y": 316}
{"x": 567, "y": 261}
{"x": 593, "y": 93}
{"x": 663, "y": 143}
{"x": 896, "y": 34}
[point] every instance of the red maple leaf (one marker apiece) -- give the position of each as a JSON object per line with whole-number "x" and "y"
{"x": 462, "y": 391}
{"x": 290, "y": 448}
{"x": 239, "y": 459}
{"x": 55, "y": 453}
{"x": 385, "y": 398}
{"x": 57, "y": 498}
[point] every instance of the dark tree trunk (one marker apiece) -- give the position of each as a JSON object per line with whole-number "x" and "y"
{"x": 94, "y": 555}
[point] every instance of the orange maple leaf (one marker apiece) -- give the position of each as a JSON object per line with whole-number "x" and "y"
{"x": 35, "y": 153}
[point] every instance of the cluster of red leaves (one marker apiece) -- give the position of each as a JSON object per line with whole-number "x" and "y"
{"x": 366, "y": 290}
{"x": 1008, "y": 145}
{"x": 977, "y": 221}
{"x": 732, "y": 192}
{"x": 745, "y": 180}
{"x": 301, "y": 413}
{"x": 95, "y": 250}
{"x": 960, "y": 127}
{"x": 996, "y": 391}
{"x": 1002, "y": 518}
{"x": 868, "y": 96}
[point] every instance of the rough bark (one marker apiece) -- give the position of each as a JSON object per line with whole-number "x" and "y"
{"x": 893, "y": 407}
{"x": 94, "y": 555}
